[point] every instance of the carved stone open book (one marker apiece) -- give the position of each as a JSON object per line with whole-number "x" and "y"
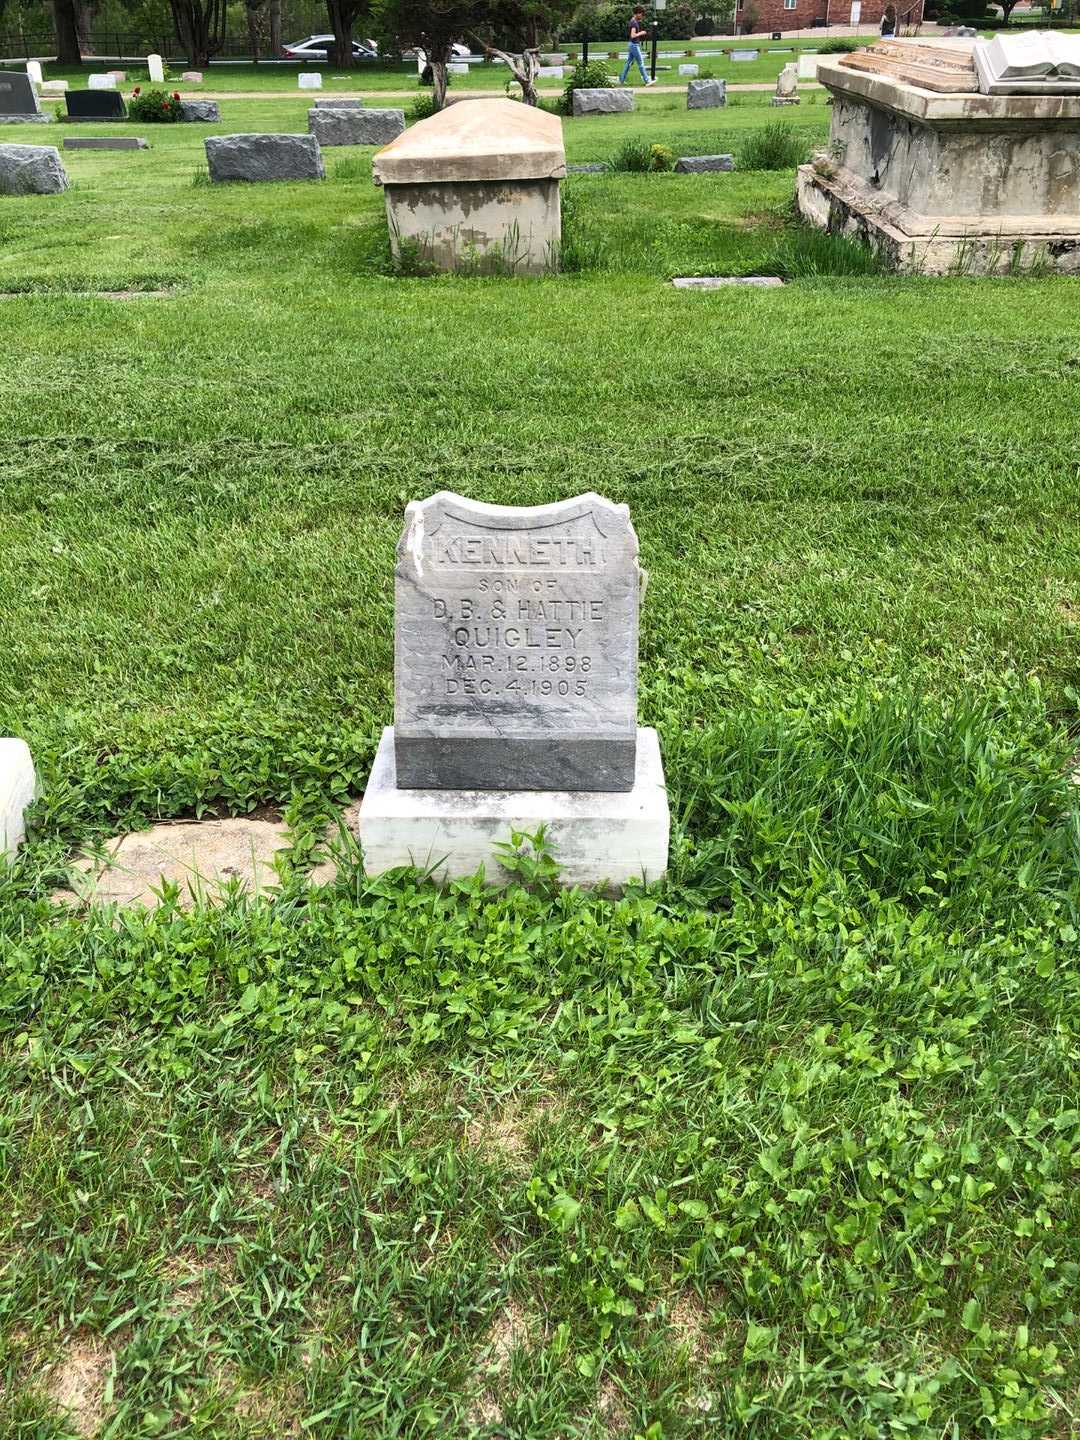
{"x": 1039, "y": 63}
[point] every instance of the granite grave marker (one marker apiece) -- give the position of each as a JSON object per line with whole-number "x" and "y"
{"x": 516, "y": 646}
{"x": 18, "y": 100}
{"x": 95, "y": 105}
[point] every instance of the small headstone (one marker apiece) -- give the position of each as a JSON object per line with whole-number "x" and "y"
{"x": 720, "y": 282}
{"x": 356, "y": 127}
{"x": 787, "y": 86}
{"x": 310, "y": 80}
{"x": 558, "y": 58}
{"x": 193, "y": 77}
{"x": 516, "y": 650}
{"x": 603, "y": 101}
{"x": 457, "y": 69}
{"x": 264, "y": 157}
{"x": 17, "y": 782}
{"x": 330, "y": 104}
{"x": 688, "y": 69}
{"x": 53, "y": 88}
{"x": 31, "y": 170}
{"x": 703, "y": 164}
{"x": 808, "y": 67}
{"x": 156, "y": 66}
{"x": 33, "y": 69}
{"x": 706, "y": 94}
{"x": 550, "y": 72}
{"x": 120, "y": 76}
{"x": 516, "y": 638}
{"x": 95, "y": 105}
{"x": 105, "y": 142}
{"x": 18, "y": 100}
{"x": 101, "y": 82}
{"x": 741, "y": 55}
{"x": 202, "y": 111}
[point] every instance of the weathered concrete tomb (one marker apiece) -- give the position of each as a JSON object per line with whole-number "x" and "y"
{"x": 477, "y": 185}
{"x": 942, "y": 176}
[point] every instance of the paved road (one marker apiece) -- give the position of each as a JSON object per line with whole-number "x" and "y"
{"x": 374, "y": 96}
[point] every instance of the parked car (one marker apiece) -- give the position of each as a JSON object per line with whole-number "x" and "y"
{"x": 318, "y": 47}
{"x": 459, "y": 52}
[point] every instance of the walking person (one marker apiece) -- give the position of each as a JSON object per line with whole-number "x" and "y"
{"x": 639, "y": 31}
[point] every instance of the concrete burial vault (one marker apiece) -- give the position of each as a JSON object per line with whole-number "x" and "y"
{"x": 477, "y": 185}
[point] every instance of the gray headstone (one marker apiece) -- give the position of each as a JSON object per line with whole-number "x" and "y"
{"x": 105, "y": 142}
{"x": 516, "y": 641}
{"x": 603, "y": 102}
{"x": 31, "y": 170}
{"x": 200, "y": 111}
{"x": 356, "y": 127}
{"x": 18, "y": 99}
{"x": 706, "y": 94}
{"x": 744, "y": 54}
{"x": 720, "y": 282}
{"x": 264, "y": 157}
{"x": 702, "y": 164}
{"x": 339, "y": 104}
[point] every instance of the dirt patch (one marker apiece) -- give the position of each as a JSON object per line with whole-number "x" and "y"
{"x": 509, "y": 1331}
{"x": 688, "y": 1319}
{"x": 501, "y": 1134}
{"x": 1069, "y": 612}
{"x": 76, "y": 1384}
{"x": 200, "y": 857}
{"x": 610, "y": 1408}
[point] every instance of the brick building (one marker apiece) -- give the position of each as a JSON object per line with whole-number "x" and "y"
{"x": 763, "y": 16}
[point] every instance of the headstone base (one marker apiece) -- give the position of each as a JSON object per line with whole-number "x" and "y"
{"x": 17, "y": 789}
{"x": 598, "y": 838}
{"x": 26, "y": 119}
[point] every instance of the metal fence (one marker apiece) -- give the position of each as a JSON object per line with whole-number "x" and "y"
{"x": 116, "y": 45}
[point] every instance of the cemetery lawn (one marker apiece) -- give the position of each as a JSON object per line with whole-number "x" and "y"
{"x": 785, "y": 1147}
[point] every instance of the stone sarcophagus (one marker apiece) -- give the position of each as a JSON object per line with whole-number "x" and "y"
{"x": 941, "y": 177}
{"x": 477, "y": 187}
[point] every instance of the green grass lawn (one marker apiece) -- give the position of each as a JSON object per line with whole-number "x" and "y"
{"x": 784, "y": 1147}
{"x": 225, "y": 78}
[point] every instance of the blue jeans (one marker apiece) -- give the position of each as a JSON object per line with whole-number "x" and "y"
{"x": 633, "y": 57}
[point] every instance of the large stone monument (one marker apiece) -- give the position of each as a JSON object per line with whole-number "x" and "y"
{"x": 515, "y": 700}
{"x": 477, "y": 184}
{"x": 941, "y": 175}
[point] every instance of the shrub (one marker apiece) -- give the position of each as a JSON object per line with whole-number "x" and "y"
{"x": 155, "y": 107}
{"x": 837, "y": 47}
{"x": 639, "y": 157}
{"x": 661, "y": 158}
{"x": 774, "y": 147}
{"x": 676, "y": 22}
{"x": 422, "y": 108}
{"x": 593, "y": 76}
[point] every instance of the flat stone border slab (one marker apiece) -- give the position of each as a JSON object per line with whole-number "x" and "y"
{"x": 597, "y": 837}
{"x": 105, "y": 142}
{"x": 202, "y": 857}
{"x": 703, "y": 164}
{"x": 720, "y": 282}
{"x": 18, "y": 785}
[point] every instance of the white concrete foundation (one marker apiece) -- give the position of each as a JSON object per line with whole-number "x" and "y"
{"x": 598, "y": 838}
{"x": 17, "y": 789}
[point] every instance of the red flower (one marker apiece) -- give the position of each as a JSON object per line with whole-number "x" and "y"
{"x": 137, "y": 90}
{"x": 176, "y": 94}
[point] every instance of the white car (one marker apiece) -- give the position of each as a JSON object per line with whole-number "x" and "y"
{"x": 318, "y": 47}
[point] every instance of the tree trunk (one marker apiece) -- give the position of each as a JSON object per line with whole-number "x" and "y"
{"x": 438, "y": 81}
{"x": 275, "y": 28}
{"x": 83, "y": 17}
{"x": 523, "y": 68}
{"x": 251, "y": 13}
{"x": 67, "y": 33}
{"x": 341, "y": 23}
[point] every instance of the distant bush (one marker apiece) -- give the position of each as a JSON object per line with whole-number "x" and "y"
{"x": 422, "y": 108}
{"x": 838, "y": 47}
{"x": 674, "y": 23}
{"x": 593, "y": 76}
{"x": 155, "y": 107}
{"x": 774, "y": 147}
